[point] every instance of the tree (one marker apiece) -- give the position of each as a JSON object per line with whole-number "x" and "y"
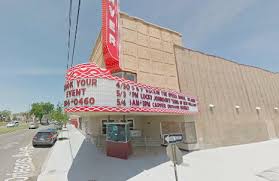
{"x": 41, "y": 109}
{"x": 5, "y": 115}
{"x": 59, "y": 115}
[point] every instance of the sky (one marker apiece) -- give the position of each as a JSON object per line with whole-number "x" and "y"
{"x": 33, "y": 38}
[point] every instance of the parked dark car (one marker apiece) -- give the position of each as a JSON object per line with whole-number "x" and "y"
{"x": 53, "y": 130}
{"x": 45, "y": 137}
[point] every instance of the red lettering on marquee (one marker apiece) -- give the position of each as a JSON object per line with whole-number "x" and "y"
{"x": 146, "y": 104}
{"x": 135, "y": 94}
{"x": 146, "y": 96}
{"x": 88, "y": 101}
{"x": 135, "y": 103}
{"x": 75, "y": 92}
{"x": 86, "y": 82}
{"x": 68, "y": 85}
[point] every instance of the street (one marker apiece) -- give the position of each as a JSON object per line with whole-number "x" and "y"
{"x": 19, "y": 160}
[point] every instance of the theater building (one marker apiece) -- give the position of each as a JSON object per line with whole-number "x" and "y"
{"x": 219, "y": 102}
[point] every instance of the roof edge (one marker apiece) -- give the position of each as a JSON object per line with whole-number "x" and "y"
{"x": 224, "y": 59}
{"x": 148, "y": 23}
{"x": 99, "y": 37}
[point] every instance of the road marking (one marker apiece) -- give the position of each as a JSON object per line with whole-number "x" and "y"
{"x": 23, "y": 167}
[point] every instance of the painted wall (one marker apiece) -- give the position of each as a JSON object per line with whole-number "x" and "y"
{"x": 146, "y": 50}
{"x": 97, "y": 53}
{"x": 226, "y": 84}
{"x": 151, "y": 124}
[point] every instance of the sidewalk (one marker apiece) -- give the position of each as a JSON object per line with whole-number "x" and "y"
{"x": 77, "y": 160}
{"x": 61, "y": 157}
{"x": 249, "y": 162}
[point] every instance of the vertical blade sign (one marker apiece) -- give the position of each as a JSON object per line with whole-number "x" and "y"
{"x": 110, "y": 34}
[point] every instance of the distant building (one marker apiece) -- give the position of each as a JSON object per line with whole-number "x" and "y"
{"x": 23, "y": 116}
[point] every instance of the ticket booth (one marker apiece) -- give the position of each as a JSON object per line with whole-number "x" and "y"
{"x": 118, "y": 142}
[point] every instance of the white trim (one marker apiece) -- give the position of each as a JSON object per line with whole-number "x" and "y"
{"x": 116, "y": 123}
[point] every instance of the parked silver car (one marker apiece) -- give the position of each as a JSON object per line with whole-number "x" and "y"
{"x": 12, "y": 124}
{"x": 33, "y": 125}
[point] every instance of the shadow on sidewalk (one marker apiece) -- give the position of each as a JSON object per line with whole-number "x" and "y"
{"x": 91, "y": 164}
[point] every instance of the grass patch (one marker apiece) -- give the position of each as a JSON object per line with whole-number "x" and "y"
{"x": 2, "y": 123}
{"x": 5, "y": 130}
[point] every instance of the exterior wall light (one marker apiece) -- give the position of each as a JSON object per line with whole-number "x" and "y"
{"x": 258, "y": 110}
{"x": 276, "y": 109}
{"x": 211, "y": 106}
{"x": 237, "y": 107}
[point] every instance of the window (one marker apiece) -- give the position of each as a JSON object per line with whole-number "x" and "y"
{"x": 131, "y": 123}
{"x": 104, "y": 126}
{"x": 118, "y": 74}
{"x": 130, "y": 76}
{"x": 126, "y": 75}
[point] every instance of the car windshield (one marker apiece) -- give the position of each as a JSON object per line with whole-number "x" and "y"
{"x": 52, "y": 130}
{"x": 43, "y": 134}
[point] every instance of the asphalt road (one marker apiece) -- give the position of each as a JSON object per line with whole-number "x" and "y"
{"x": 19, "y": 161}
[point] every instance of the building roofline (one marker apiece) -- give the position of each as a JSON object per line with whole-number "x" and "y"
{"x": 148, "y": 23}
{"x": 224, "y": 59}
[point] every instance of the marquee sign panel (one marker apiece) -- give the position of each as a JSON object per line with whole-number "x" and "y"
{"x": 90, "y": 88}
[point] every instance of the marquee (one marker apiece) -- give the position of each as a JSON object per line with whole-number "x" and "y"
{"x": 89, "y": 88}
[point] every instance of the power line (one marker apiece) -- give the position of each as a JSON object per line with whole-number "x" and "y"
{"x": 74, "y": 46}
{"x": 69, "y": 33}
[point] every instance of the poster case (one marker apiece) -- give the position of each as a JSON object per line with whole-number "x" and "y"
{"x": 118, "y": 132}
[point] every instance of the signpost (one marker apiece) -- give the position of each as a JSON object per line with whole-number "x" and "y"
{"x": 173, "y": 151}
{"x": 174, "y": 154}
{"x": 173, "y": 138}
